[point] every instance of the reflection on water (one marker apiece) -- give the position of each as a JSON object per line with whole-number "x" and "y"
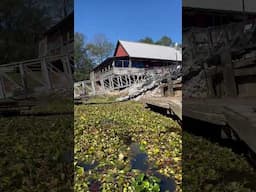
{"x": 87, "y": 166}
{"x": 139, "y": 160}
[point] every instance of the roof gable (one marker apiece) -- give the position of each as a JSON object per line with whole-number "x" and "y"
{"x": 144, "y": 50}
{"x": 120, "y": 51}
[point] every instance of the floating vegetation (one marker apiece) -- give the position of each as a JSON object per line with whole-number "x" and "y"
{"x": 36, "y": 152}
{"x": 210, "y": 167}
{"x": 125, "y": 147}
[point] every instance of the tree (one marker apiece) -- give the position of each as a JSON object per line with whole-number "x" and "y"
{"x": 83, "y": 63}
{"x": 147, "y": 40}
{"x": 166, "y": 41}
{"x": 19, "y": 33}
{"x": 99, "y": 49}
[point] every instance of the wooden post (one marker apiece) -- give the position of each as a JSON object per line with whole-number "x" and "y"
{"x": 170, "y": 87}
{"x": 126, "y": 81}
{"x": 121, "y": 80}
{"x": 209, "y": 82}
{"x": 130, "y": 81}
{"x": 130, "y": 63}
{"x": 102, "y": 84}
{"x": 2, "y": 87}
{"x": 92, "y": 82}
{"x": 93, "y": 88}
{"x": 23, "y": 78}
{"x": 46, "y": 73}
{"x": 228, "y": 74}
{"x": 210, "y": 43}
{"x": 118, "y": 80}
{"x": 67, "y": 69}
{"x": 111, "y": 82}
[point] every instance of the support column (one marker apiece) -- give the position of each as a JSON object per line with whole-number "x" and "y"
{"x": 46, "y": 74}
{"x": 83, "y": 87}
{"x": 228, "y": 74}
{"x": 130, "y": 81}
{"x": 102, "y": 84}
{"x": 170, "y": 88}
{"x": 209, "y": 81}
{"x": 2, "y": 87}
{"x": 93, "y": 87}
{"x": 67, "y": 69}
{"x": 126, "y": 81}
{"x": 121, "y": 81}
{"x": 23, "y": 78}
{"x": 118, "y": 81}
{"x": 130, "y": 63}
{"x": 92, "y": 83}
{"x": 110, "y": 79}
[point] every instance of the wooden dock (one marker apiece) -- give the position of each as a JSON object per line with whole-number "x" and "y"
{"x": 171, "y": 104}
{"x": 14, "y": 107}
{"x": 237, "y": 113}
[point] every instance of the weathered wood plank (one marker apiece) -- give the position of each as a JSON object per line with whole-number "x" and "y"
{"x": 245, "y": 71}
{"x": 214, "y": 118}
{"x": 244, "y": 128}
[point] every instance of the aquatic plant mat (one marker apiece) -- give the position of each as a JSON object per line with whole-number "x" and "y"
{"x": 125, "y": 147}
{"x": 37, "y": 151}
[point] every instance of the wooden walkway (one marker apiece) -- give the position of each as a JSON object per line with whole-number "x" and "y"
{"x": 237, "y": 113}
{"x": 171, "y": 104}
{"x": 10, "y": 106}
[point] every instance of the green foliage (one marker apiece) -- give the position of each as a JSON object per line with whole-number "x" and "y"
{"x": 19, "y": 33}
{"x": 210, "y": 167}
{"x": 83, "y": 64}
{"x": 90, "y": 54}
{"x": 148, "y": 40}
{"x": 143, "y": 183}
{"x": 32, "y": 150}
{"x": 99, "y": 49}
{"x": 102, "y": 134}
{"x": 166, "y": 41}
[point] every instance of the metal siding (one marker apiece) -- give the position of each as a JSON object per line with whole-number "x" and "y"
{"x": 144, "y": 50}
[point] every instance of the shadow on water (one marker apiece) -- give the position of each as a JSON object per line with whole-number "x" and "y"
{"x": 87, "y": 166}
{"x": 139, "y": 161}
{"x": 94, "y": 185}
{"x": 213, "y": 133}
{"x": 236, "y": 176}
{"x": 164, "y": 112}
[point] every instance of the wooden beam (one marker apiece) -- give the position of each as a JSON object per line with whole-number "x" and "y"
{"x": 228, "y": 74}
{"x": 244, "y": 63}
{"x": 45, "y": 73}
{"x": 23, "y": 77}
{"x": 245, "y": 71}
{"x": 217, "y": 119}
{"x": 2, "y": 87}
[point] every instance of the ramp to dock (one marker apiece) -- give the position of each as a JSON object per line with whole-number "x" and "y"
{"x": 171, "y": 104}
{"x": 237, "y": 113}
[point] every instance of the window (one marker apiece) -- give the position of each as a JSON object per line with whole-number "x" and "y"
{"x": 126, "y": 63}
{"x": 137, "y": 64}
{"x": 118, "y": 63}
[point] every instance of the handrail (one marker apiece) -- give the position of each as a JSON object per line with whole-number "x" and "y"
{"x": 51, "y": 57}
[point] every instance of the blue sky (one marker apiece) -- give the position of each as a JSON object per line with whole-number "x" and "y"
{"x": 129, "y": 19}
